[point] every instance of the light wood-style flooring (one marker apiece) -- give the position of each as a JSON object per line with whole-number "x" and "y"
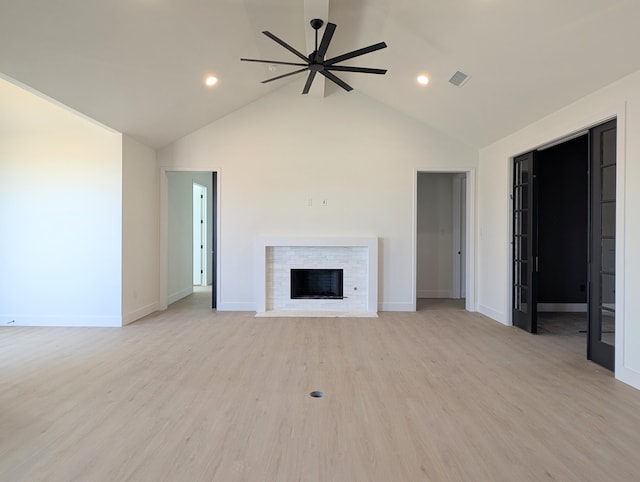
{"x": 191, "y": 394}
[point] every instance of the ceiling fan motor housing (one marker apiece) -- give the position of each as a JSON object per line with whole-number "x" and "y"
{"x": 316, "y": 23}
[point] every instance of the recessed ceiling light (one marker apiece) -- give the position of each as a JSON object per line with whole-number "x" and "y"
{"x": 423, "y": 79}
{"x": 211, "y": 81}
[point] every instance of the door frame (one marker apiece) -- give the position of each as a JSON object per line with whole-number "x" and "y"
{"x": 470, "y": 211}
{"x": 164, "y": 231}
{"x": 558, "y": 133}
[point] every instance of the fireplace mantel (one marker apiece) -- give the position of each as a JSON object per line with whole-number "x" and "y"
{"x": 369, "y": 304}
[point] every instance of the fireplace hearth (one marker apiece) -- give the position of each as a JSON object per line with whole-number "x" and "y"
{"x": 322, "y": 284}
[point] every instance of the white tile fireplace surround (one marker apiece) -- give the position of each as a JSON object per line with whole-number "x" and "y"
{"x": 356, "y": 256}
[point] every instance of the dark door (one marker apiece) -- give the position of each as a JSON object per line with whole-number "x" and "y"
{"x": 602, "y": 247}
{"x": 214, "y": 241}
{"x": 524, "y": 243}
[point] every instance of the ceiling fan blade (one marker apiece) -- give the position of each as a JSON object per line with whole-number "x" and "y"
{"x": 336, "y": 80}
{"x": 307, "y": 86}
{"x": 286, "y": 45}
{"x": 326, "y": 40}
{"x": 364, "y": 70}
{"x": 355, "y": 53}
{"x": 273, "y": 62}
{"x": 284, "y": 75}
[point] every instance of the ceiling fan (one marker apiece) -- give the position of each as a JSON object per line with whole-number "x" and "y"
{"x": 315, "y": 62}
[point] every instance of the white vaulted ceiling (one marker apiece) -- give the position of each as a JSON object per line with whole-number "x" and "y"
{"x": 139, "y": 66}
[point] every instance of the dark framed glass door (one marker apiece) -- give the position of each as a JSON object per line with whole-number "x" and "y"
{"x": 524, "y": 242}
{"x": 602, "y": 245}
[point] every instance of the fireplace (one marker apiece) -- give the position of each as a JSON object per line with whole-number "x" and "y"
{"x": 323, "y": 284}
{"x": 356, "y": 293}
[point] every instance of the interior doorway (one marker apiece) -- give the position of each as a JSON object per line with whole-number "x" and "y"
{"x": 191, "y": 236}
{"x": 563, "y": 226}
{"x": 441, "y": 236}
{"x": 563, "y": 242}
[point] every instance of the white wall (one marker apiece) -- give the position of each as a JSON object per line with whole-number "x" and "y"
{"x": 621, "y": 99}
{"x": 140, "y": 231}
{"x": 277, "y": 153}
{"x": 435, "y": 235}
{"x": 60, "y": 215}
{"x": 206, "y": 179}
{"x": 180, "y": 236}
{"x": 180, "y": 231}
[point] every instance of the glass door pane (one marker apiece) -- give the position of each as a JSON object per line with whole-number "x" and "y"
{"x": 602, "y": 271}
{"x": 523, "y": 275}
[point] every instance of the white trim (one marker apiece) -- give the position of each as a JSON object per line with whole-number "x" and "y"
{"x": 315, "y": 314}
{"x": 236, "y": 306}
{"x": 164, "y": 232}
{"x": 393, "y": 306}
{"x": 68, "y": 321}
{"x": 139, "y": 313}
{"x": 471, "y": 266}
{"x": 494, "y": 315}
{"x": 172, "y": 298}
{"x": 622, "y": 372}
{"x": 627, "y": 375}
{"x": 164, "y": 240}
{"x": 470, "y": 259}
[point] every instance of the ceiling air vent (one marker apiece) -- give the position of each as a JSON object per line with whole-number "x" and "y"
{"x": 459, "y": 79}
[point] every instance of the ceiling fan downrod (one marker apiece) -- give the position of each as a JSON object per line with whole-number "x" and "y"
{"x": 316, "y": 24}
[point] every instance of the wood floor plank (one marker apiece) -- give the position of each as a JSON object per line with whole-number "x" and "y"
{"x": 193, "y": 394}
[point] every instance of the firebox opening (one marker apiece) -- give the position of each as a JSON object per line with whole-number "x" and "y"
{"x": 316, "y": 284}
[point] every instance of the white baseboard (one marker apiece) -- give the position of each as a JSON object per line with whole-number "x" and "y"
{"x": 562, "y": 307}
{"x": 140, "y": 313}
{"x": 434, "y": 294}
{"x": 314, "y": 314}
{"x": 172, "y": 298}
{"x": 493, "y": 314}
{"x": 69, "y": 321}
{"x": 628, "y": 376}
{"x": 236, "y": 306}
{"x": 392, "y": 306}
